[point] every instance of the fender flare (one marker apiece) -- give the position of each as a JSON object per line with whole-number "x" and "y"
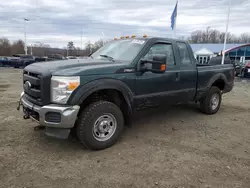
{"x": 87, "y": 89}
{"x": 216, "y": 77}
{"x": 201, "y": 92}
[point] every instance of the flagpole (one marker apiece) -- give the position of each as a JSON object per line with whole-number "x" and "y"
{"x": 225, "y": 38}
{"x": 25, "y": 43}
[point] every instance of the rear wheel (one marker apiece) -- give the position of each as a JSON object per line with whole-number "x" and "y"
{"x": 211, "y": 103}
{"x": 100, "y": 125}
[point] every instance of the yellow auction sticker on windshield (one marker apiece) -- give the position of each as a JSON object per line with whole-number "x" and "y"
{"x": 138, "y": 41}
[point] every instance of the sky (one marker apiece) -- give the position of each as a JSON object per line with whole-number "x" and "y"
{"x": 56, "y": 22}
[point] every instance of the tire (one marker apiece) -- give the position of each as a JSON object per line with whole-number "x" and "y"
{"x": 206, "y": 104}
{"x": 242, "y": 74}
{"x": 105, "y": 111}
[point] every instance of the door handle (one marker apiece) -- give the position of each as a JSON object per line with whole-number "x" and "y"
{"x": 177, "y": 78}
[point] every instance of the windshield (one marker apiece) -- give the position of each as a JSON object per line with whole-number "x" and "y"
{"x": 121, "y": 50}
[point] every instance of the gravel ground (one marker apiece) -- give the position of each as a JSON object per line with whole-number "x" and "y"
{"x": 173, "y": 147}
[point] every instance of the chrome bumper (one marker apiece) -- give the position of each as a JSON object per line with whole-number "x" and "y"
{"x": 68, "y": 114}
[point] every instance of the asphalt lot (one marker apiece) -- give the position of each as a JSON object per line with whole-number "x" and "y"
{"x": 172, "y": 147}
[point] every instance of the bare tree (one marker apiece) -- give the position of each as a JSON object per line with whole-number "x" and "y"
{"x": 17, "y": 47}
{"x": 5, "y": 47}
{"x": 209, "y": 35}
{"x": 214, "y": 36}
{"x": 196, "y": 36}
{"x": 245, "y": 37}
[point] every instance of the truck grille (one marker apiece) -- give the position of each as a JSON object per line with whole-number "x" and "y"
{"x": 36, "y": 86}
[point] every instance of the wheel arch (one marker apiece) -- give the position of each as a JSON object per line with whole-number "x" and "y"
{"x": 105, "y": 89}
{"x": 218, "y": 80}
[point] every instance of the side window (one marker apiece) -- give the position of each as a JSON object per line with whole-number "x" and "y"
{"x": 165, "y": 49}
{"x": 184, "y": 54}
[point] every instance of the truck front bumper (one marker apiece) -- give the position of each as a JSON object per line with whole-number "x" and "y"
{"x": 57, "y": 119}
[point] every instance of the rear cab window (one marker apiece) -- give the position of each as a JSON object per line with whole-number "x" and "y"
{"x": 184, "y": 53}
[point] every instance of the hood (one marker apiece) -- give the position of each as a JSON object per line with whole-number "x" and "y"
{"x": 79, "y": 67}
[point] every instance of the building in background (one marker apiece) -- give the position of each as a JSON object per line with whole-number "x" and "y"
{"x": 204, "y": 52}
{"x": 239, "y": 53}
{"x": 203, "y": 55}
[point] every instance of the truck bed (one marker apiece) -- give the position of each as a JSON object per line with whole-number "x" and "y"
{"x": 206, "y": 75}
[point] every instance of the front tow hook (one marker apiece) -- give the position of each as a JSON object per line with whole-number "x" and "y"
{"x": 19, "y": 105}
{"x": 20, "y": 101}
{"x": 26, "y": 116}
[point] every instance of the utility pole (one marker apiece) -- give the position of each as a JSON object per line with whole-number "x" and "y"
{"x": 81, "y": 42}
{"x": 225, "y": 38}
{"x": 103, "y": 35}
{"x": 31, "y": 52}
{"x": 25, "y": 43}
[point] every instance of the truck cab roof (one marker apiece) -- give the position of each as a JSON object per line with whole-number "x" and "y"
{"x": 154, "y": 38}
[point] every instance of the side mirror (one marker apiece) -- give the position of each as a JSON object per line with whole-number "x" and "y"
{"x": 157, "y": 65}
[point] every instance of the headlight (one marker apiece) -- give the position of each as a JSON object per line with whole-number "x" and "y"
{"x": 62, "y": 87}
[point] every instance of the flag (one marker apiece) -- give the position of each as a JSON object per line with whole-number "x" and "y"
{"x": 174, "y": 16}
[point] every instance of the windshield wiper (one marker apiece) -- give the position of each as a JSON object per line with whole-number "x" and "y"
{"x": 109, "y": 57}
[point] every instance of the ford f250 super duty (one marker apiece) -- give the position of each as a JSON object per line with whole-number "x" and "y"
{"x": 96, "y": 97}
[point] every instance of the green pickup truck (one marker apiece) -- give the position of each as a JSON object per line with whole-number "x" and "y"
{"x": 97, "y": 96}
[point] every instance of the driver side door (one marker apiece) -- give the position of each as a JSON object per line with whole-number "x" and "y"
{"x": 153, "y": 89}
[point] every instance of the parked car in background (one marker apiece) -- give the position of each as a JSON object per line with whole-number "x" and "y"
{"x": 242, "y": 69}
{"x": 22, "y": 60}
{"x": 71, "y": 57}
{"x": 4, "y": 61}
{"x": 238, "y": 67}
{"x": 52, "y": 57}
{"x": 13, "y": 61}
{"x": 41, "y": 59}
{"x": 245, "y": 71}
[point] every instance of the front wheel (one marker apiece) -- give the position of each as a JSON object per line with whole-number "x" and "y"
{"x": 100, "y": 125}
{"x": 211, "y": 103}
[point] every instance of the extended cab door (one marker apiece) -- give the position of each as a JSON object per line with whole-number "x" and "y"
{"x": 156, "y": 88}
{"x": 188, "y": 71}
